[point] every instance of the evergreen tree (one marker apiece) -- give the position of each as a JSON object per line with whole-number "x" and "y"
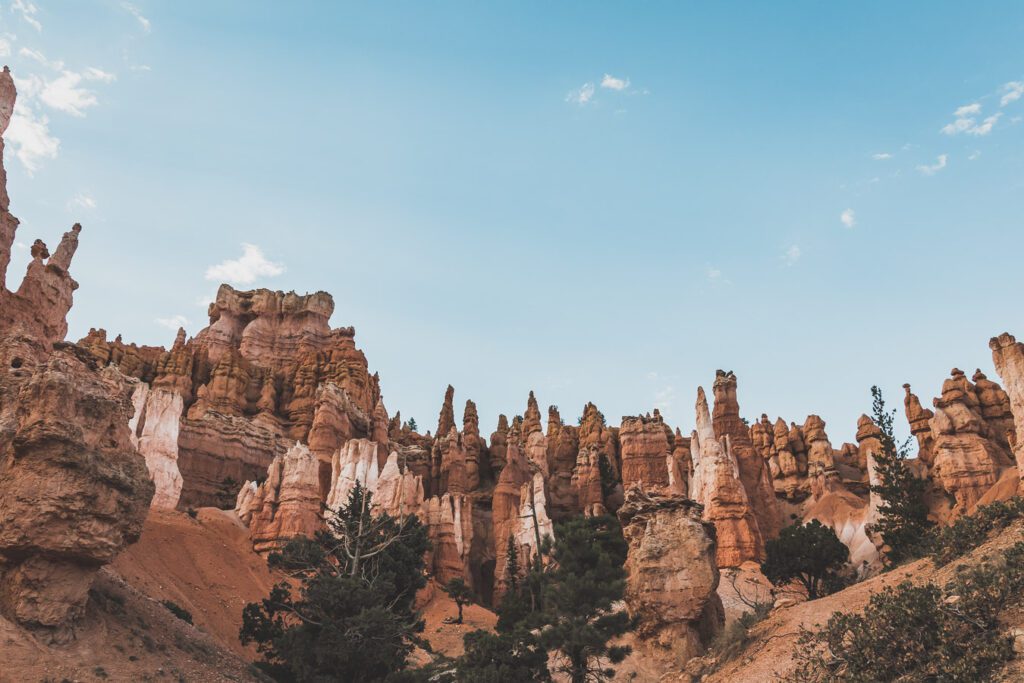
{"x": 352, "y": 616}
{"x": 810, "y": 554}
{"x": 586, "y": 578}
{"x": 903, "y": 521}
{"x": 512, "y": 563}
{"x": 412, "y": 424}
{"x": 460, "y": 593}
{"x": 608, "y": 481}
{"x": 502, "y": 658}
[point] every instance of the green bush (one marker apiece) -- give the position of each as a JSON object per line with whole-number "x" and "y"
{"x": 177, "y": 610}
{"x": 921, "y": 632}
{"x": 969, "y": 532}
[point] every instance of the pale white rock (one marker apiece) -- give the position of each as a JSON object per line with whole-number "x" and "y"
{"x": 246, "y": 501}
{"x": 526, "y": 534}
{"x": 158, "y": 444}
{"x": 398, "y": 493}
{"x": 355, "y": 461}
{"x": 139, "y": 396}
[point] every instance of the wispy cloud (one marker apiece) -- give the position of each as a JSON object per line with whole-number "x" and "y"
{"x": 5, "y": 47}
{"x": 29, "y": 133}
{"x": 246, "y": 269}
{"x": 664, "y": 398}
{"x": 965, "y": 121}
{"x": 147, "y": 26}
{"x": 881, "y": 156}
{"x": 932, "y": 169}
{"x": 792, "y": 255}
{"x": 612, "y": 83}
{"x": 28, "y": 12}
{"x": 974, "y": 155}
{"x": 582, "y": 95}
{"x": 1012, "y": 92}
{"x": 83, "y": 200}
{"x": 848, "y": 218}
{"x": 173, "y": 323}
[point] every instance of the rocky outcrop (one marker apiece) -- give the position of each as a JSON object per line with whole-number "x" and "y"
{"x": 563, "y": 450}
{"x": 970, "y": 451}
{"x": 449, "y": 522}
{"x": 919, "y": 419}
{"x": 646, "y": 452}
{"x": 288, "y": 503}
{"x": 754, "y": 472}
{"x": 1008, "y": 357}
{"x": 505, "y": 506}
{"x": 157, "y": 420}
{"x": 717, "y": 486}
{"x": 73, "y": 489}
{"x": 672, "y": 576}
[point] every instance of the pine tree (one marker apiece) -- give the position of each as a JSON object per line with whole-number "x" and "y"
{"x": 412, "y": 424}
{"x": 903, "y": 521}
{"x": 358, "y": 583}
{"x": 587, "y": 578}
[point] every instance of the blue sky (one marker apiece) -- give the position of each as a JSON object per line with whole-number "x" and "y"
{"x": 599, "y": 202}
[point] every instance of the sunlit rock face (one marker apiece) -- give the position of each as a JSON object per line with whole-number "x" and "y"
{"x": 970, "y": 450}
{"x": 1008, "y": 357}
{"x": 74, "y": 490}
{"x": 754, "y": 472}
{"x": 716, "y": 485}
{"x": 288, "y": 503}
{"x": 672, "y": 576}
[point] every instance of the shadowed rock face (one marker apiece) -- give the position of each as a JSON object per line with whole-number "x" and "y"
{"x": 73, "y": 489}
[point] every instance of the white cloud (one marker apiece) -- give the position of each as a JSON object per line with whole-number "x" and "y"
{"x": 792, "y": 255}
{"x": 986, "y": 126}
{"x": 134, "y": 11}
{"x": 5, "y": 47}
{"x": 1012, "y": 92}
{"x": 974, "y": 155}
{"x": 245, "y": 270}
{"x": 29, "y": 132}
{"x": 848, "y": 218}
{"x": 37, "y": 56}
{"x": 21, "y": 245}
{"x": 881, "y": 156}
{"x": 64, "y": 94}
{"x": 93, "y": 74}
{"x": 965, "y": 121}
{"x": 83, "y": 201}
{"x": 173, "y": 323}
{"x": 582, "y": 95}
{"x": 613, "y": 83}
{"x": 932, "y": 169}
{"x": 714, "y": 274}
{"x": 28, "y": 12}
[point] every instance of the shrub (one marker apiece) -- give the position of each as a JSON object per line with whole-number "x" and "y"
{"x": 178, "y": 611}
{"x": 734, "y": 638}
{"x": 969, "y": 532}
{"x": 191, "y": 512}
{"x": 502, "y": 658}
{"x": 809, "y": 554}
{"x": 921, "y": 633}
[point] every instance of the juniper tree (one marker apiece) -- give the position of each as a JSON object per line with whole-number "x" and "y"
{"x": 460, "y": 593}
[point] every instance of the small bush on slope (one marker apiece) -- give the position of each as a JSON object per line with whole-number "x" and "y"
{"x": 921, "y": 633}
{"x": 967, "y": 533}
